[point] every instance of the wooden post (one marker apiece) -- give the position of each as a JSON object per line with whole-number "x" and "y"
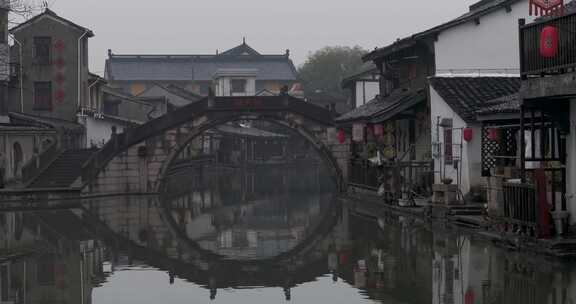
{"x": 522, "y": 144}
{"x": 521, "y": 23}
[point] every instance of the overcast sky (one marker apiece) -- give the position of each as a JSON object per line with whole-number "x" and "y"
{"x": 270, "y": 26}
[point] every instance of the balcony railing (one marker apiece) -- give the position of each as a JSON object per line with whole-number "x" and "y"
{"x": 363, "y": 173}
{"x": 532, "y": 62}
{"x": 410, "y": 179}
{"x": 520, "y": 208}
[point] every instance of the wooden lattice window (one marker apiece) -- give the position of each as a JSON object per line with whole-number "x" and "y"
{"x": 42, "y": 96}
{"x": 42, "y": 46}
{"x": 238, "y": 85}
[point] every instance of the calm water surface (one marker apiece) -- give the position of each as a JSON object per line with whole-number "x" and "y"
{"x": 257, "y": 238}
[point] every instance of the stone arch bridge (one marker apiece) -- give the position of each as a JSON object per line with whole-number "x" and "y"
{"x": 137, "y": 160}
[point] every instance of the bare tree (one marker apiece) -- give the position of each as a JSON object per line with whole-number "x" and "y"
{"x": 22, "y": 10}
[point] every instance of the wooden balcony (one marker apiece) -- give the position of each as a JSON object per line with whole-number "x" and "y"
{"x": 532, "y": 63}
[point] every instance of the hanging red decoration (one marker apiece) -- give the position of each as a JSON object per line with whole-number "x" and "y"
{"x": 493, "y": 134}
{"x": 549, "y": 42}
{"x": 469, "y": 296}
{"x": 341, "y": 136}
{"x": 468, "y": 133}
{"x": 546, "y": 7}
{"x": 378, "y": 130}
{"x": 369, "y": 130}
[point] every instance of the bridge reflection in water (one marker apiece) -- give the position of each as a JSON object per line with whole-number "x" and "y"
{"x": 226, "y": 239}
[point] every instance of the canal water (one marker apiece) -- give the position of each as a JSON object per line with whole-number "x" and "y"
{"x": 250, "y": 236}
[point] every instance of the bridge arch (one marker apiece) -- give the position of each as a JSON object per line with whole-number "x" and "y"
{"x": 137, "y": 161}
{"x": 318, "y": 145}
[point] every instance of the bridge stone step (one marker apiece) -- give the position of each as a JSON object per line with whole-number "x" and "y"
{"x": 64, "y": 170}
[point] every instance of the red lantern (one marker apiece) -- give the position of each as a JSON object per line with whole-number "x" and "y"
{"x": 467, "y": 134}
{"x": 549, "y": 42}
{"x": 493, "y": 134}
{"x": 341, "y": 136}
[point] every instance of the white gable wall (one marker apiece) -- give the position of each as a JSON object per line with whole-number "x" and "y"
{"x": 470, "y": 163}
{"x": 366, "y": 90}
{"x": 493, "y": 44}
{"x": 99, "y": 131}
{"x": 571, "y": 163}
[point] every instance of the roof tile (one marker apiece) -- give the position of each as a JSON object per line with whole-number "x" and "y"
{"x": 468, "y": 95}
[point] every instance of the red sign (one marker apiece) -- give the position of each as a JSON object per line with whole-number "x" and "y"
{"x": 247, "y": 103}
{"x": 59, "y": 96}
{"x": 60, "y": 79}
{"x": 546, "y": 7}
{"x": 60, "y": 63}
{"x": 59, "y": 45}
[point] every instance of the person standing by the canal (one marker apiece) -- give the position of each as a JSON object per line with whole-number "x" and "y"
{"x": 2, "y": 169}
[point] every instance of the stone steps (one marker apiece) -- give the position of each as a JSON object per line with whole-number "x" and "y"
{"x": 64, "y": 170}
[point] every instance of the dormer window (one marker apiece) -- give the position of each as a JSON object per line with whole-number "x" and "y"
{"x": 238, "y": 86}
{"x": 42, "y": 47}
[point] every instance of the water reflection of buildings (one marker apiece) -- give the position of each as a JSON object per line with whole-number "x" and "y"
{"x": 282, "y": 242}
{"x": 470, "y": 271}
{"x": 47, "y": 257}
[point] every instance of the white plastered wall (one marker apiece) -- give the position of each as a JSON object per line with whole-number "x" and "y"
{"x": 571, "y": 164}
{"x": 469, "y": 170}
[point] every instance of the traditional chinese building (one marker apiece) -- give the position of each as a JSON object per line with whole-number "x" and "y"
{"x": 238, "y": 71}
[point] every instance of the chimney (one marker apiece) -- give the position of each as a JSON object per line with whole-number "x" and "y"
{"x": 109, "y": 53}
{"x": 287, "y": 53}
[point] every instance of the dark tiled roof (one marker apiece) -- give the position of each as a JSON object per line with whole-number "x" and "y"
{"x": 380, "y": 106}
{"x": 239, "y": 50}
{"x": 44, "y": 122}
{"x": 176, "y": 90}
{"x": 50, "y": 13}
{"x": 478, "y": 9}
{"x": 197, "y": 67}
{"x": 506, "y": 104}
{"x": 467, "y": 95}
{"x": 368, "y": 68}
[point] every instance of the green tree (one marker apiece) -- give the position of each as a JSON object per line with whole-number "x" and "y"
{"x": 324, "y": 69}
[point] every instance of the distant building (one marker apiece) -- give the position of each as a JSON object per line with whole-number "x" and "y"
{"x": 167, "y": 98}
{"x": 330, "y": 101}
{"x": 238, "y": 71}
{"x": 363, "y": 86}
